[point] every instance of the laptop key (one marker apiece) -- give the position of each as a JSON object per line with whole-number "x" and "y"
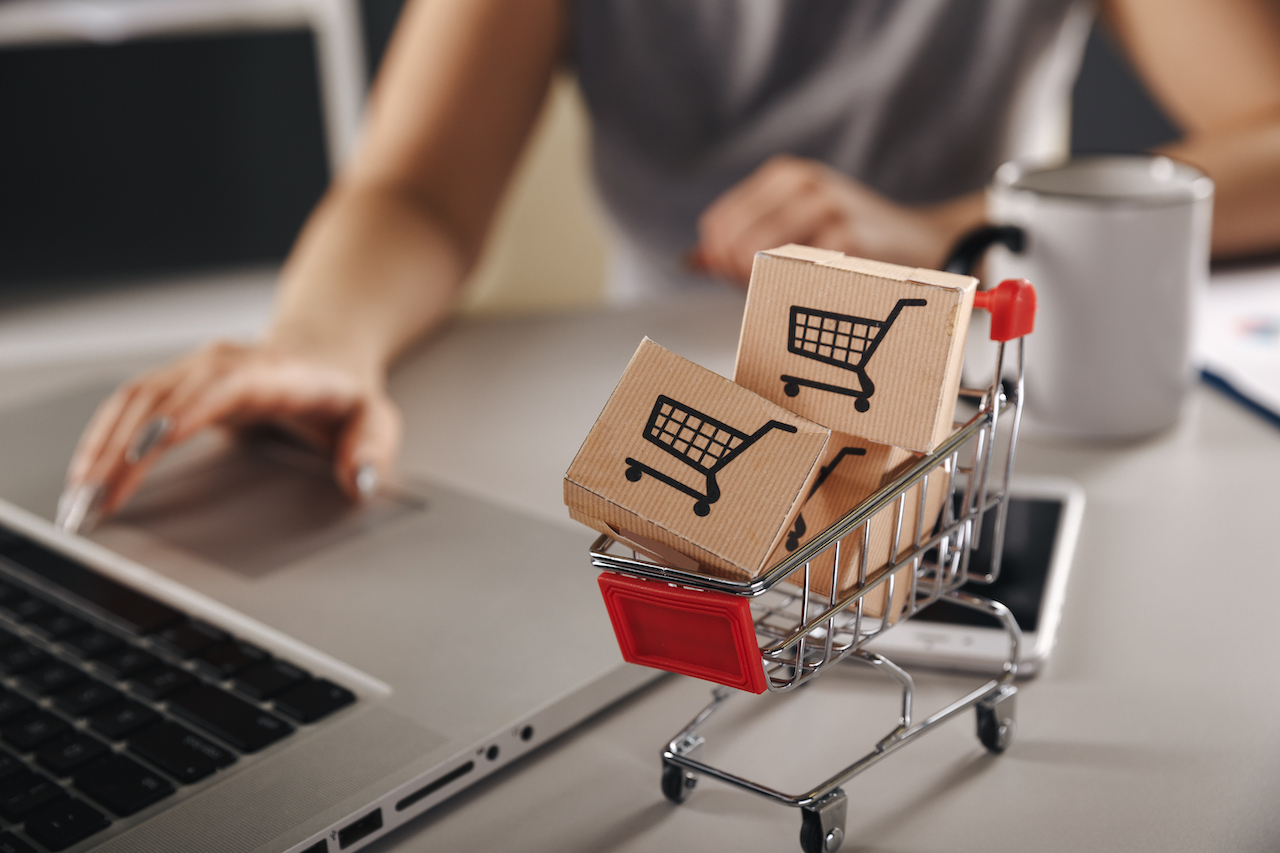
{"x": 64, "y": 823}
{"x": 28, "y": 608}
{"x": 8, "y": 638}
{"x": 180, "y": 752}
{"x": 86, "y": 697}
{"x": 21, "y": 658}
{"x": 244, "y": 726}
{"x": 58, "y": 625}
{"x": 61, "y": 757}
{"x": 127, "y": 662}
{"x": 226, "y": 659}
{"x": 10, "y": 843}
{"x": 13, "y": 705}
{"x": 9, "y": 765}
{"x": 156, "y": 684}
{"x": 311, "y": 700}
{"x": 92, "y": 644}
{"x": 39, "y": 728}
{"x": 266, "y": 679}
{"x": 51, "y": 679}
{"x": 122, "y": 785}
{"x": 118, "y": 720}
{"x": 187, "y": 639}
{"x": 24, "y": 793}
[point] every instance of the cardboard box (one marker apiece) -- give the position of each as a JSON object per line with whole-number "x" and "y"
{"x": 866, "y": 348}
{"x": 851, "y": 470}
{"x": 689, "y": 467}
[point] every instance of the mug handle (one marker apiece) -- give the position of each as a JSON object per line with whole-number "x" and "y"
{"x": 1013, "y": 303}
{"x": 970, "y": 248}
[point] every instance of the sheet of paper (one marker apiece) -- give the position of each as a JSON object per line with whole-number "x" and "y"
{"x": 1239, "y": 335}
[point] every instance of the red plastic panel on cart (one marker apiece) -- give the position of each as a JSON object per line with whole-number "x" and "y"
{"x": 708, "y": 635}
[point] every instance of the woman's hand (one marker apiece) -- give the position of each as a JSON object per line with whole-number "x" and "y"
{"x": 793, "y": 200}
{"x": 223, "y": 384}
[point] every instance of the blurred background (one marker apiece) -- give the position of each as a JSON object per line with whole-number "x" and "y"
{"x": 159, "y": 142}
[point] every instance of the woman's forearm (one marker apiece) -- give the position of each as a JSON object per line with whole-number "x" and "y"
{"x": 1245, "y": 167}
{"x": 380, "y": 261}
{"x": 373, "y": 270}
{"x": 1215, "y": 69}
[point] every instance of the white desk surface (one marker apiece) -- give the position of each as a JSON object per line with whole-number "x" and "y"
{"x": 1154, "y": 726}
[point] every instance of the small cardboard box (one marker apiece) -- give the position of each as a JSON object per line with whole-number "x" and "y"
{"x": 689, "y": 467}
{"x": 866, "y": 348}
{"x": 851, "y": 470}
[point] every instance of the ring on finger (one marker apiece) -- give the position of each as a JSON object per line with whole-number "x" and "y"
{"x": 145, "y": 440}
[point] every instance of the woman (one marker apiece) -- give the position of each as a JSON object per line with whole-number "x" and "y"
{"x": 720, "y": 128}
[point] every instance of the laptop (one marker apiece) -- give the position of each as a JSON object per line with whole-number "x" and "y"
{"x": 271, "y": 668}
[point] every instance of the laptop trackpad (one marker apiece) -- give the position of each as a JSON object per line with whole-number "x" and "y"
{"x": 252, "y": 506}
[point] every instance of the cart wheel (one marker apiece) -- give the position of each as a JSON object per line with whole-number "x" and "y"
{"x": 862, "y": 404}
{"x": 996, "y": 726}
{"x": 677, "y": 783}
{"x": 634, "y": 474}
{"x": 812, "y": 837}
{"x": 791, "y": 389}
{"x": 701, "y": 508}
{"x": 822, "y": 824}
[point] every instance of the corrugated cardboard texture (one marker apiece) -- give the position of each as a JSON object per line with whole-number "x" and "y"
{"x": 686, "y": 459}
{"x": 893, "y": 380}
{"x": 846, "y": 478}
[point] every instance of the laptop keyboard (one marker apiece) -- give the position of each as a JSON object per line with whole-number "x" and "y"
{"x": 113, "y": 705}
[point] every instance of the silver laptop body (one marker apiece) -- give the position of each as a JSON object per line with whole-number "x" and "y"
{"x": 469, "y": 633}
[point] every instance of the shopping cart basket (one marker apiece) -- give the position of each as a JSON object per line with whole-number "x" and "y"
{"x": 843, "y": 340}
{"x": 699, "y": 441}
{"x": 763, "y": 634}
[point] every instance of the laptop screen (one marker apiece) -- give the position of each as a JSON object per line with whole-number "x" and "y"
{"x": 157, "y": 155}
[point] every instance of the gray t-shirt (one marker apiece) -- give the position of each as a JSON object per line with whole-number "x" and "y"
{"x": 919, "y": 99}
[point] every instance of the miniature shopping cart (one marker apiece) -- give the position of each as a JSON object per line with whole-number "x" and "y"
{"x": 842, "y": 340}
{"x": 699, "y": 441}
{"x": 765, "y": 634}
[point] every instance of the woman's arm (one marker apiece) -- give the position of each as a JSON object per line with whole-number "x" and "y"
{"x": 377, "y": 265}
{"x": 382, "y": 257}
{"x": 1213, "y": 64}
{"x": 1215, "y": 68}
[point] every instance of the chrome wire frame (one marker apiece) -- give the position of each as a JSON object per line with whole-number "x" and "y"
{"x": 680, "y": 751}
{"x": 802, "y": 630}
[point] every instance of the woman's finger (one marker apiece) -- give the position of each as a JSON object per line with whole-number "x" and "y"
{"x": 367, "y": 446}
{"x": 112, "y": 446}
{"x": 796, "y": 219}
{"x": 146, "y": 426}
{"x": 273, "y": 391}
{"x": 746, "y": 208}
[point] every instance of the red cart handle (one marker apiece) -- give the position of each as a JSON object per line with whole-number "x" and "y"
{"x": 1012, "y": 306}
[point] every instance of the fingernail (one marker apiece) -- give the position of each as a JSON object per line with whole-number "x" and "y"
{"x": 367, "y": 480}
{"x": 78, "y": 508}
{"x": 151, "y": 434}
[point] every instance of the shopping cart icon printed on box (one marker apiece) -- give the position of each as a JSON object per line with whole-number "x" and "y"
{"x": 701, "y": 442}
{"x": 842, "y": 340}
{"x": 799, "y": 529}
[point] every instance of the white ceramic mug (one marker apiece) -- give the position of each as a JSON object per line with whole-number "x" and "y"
{"x": 1118, "y": 250}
